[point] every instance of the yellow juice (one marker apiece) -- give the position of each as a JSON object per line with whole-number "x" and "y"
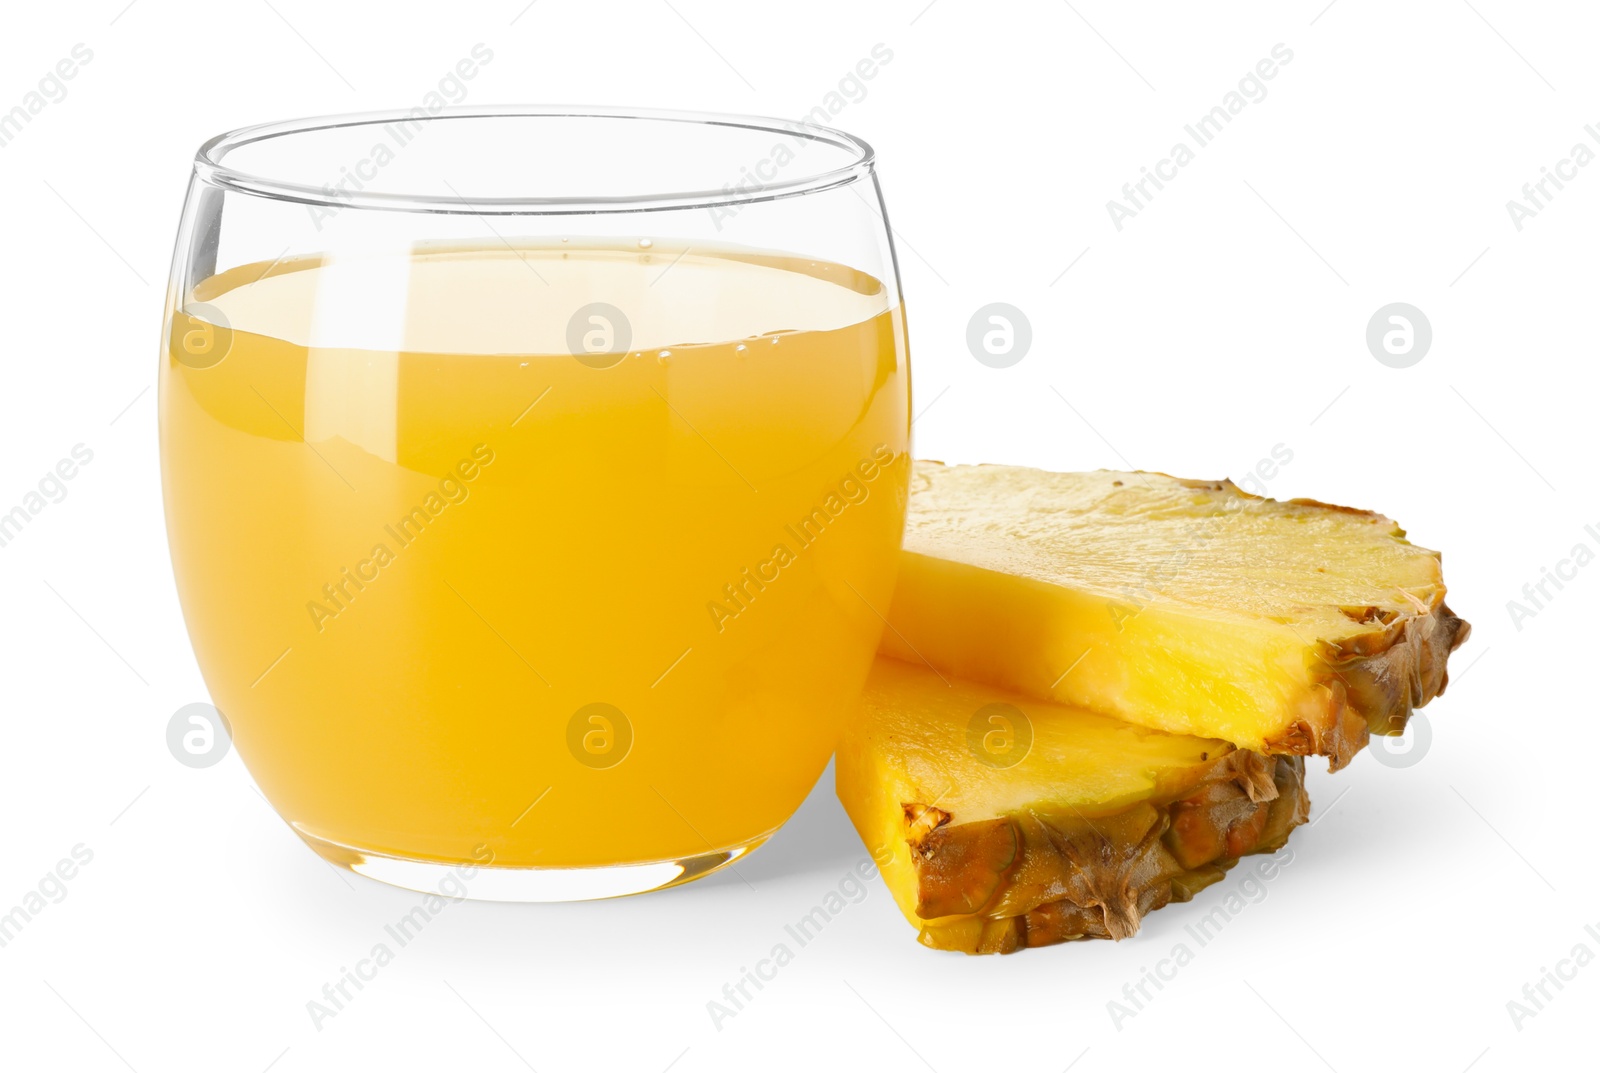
{"x": 465, "y": 590}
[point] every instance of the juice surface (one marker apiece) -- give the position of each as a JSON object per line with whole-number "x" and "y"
{"x": 457, "y": 590}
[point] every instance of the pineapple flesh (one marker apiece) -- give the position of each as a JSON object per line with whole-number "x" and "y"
{"x": 1000, "y": 822}
{"x": 1192, "y": 607}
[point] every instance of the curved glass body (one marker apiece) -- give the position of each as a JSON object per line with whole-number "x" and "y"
{"x": 534, "y": 481}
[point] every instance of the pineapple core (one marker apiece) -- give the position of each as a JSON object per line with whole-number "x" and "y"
{"x": 1186, "y": 606}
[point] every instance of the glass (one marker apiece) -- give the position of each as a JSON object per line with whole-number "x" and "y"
{"x": 534, "y": 481}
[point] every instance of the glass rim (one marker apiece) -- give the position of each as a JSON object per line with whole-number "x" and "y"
{"x": 210, "y": 163}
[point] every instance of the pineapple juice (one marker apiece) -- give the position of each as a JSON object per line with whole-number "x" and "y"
{"x": 567, "y": 555}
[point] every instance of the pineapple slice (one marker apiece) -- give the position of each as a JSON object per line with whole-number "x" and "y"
{"x": 1000, "y": 822}
{"x": 1188, "y": 606}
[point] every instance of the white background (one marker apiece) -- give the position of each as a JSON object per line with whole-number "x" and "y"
{"x": 1225, "y": 319}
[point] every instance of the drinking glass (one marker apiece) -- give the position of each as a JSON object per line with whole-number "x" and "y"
{"x": 534, "y": 481}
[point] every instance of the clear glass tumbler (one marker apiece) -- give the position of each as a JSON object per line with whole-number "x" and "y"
{"x": 534, "y": 480}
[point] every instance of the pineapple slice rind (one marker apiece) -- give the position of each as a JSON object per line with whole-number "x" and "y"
{"x": 1094, "y": 824}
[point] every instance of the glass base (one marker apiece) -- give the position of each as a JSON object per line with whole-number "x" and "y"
{"x": 493, "y": 883}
